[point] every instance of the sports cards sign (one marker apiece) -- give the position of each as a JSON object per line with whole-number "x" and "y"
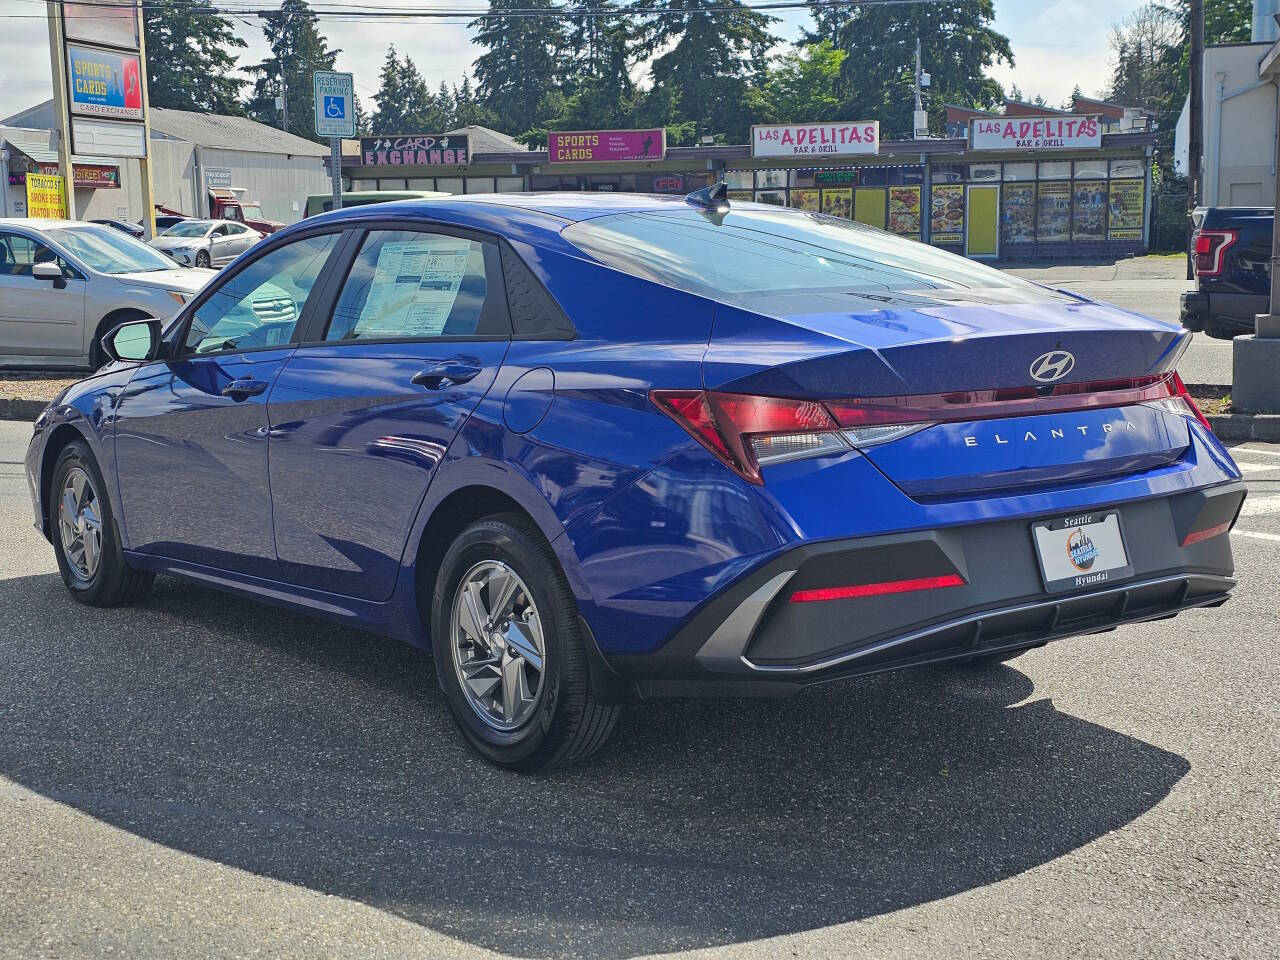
{"x": 1035, "y": 133}
{"x": 859, "y": 138}
{"x": 104, "y": 83}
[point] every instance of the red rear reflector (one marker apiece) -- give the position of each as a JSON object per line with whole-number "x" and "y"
{"x": 877, "y": 589}
{"x": 1180, "y": 390}
{"x": 1205, "y": 534}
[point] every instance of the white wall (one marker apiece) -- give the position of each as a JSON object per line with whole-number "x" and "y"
{"x": 1239, "y": 128}
{"x": 280, "y": 182}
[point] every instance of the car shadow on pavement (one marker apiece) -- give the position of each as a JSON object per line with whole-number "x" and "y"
{"x": 322, "y": 757}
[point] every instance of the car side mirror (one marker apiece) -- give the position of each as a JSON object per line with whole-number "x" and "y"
{"x": 135, "y": 341}
{"x": 49, "y": 271}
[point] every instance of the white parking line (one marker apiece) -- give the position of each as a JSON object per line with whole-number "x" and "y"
{"x": 1256, "y": 467}
{"x": 1265, "y": 453}
{"x": 1260, "y": 507}
{"x": 1256, "y": 536}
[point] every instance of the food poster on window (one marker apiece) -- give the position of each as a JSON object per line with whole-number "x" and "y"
{"x": 740, "y": 195}
{"x": 414, "y": 287}
{"x": 1053, "y": 208}
{"x": 904, "y": 211}
{"x": 838, "y": 202}
{"x": 1018, "y": 213}
{"x": 805, "y": 200}
{"x": 777, "y": 198}
{"x": 1125, "y": 210}
{"x": 946, "y": 213}
{"x": 1089, "y": 210}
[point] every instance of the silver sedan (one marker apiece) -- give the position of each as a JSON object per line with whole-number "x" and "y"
{"x": 206, "y": 243}
{"x": 63, "y": 284}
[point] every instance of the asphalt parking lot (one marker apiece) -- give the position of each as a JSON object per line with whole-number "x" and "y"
{"x": 1148, "y": 285}
{"x": 201, "y": 776}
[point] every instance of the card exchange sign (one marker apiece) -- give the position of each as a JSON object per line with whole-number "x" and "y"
{"x": 104, "y": 83}
{"x": 1035, "y": 133}
{"x": 859, "y": 138}
{"x": 427, "y": 150}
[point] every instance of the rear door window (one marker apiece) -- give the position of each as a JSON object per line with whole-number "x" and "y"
{"x": 417, "y": 285}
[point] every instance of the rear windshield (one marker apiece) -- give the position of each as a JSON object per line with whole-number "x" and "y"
{"x": 757, "y": 250}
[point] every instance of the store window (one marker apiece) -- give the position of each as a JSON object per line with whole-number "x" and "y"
{"x": 771, "y": 179}
{"x": 1053, "y": 210}
{"x": 1089, "y": 210}
{"x": 359, "y": 186}
{"x": 1130, "y": 167}
{"x": 806, "y": 198}
{"x": 398, "y": 184}
{"x": 479, "y": 184}
{"x": 983, "y": 172}
{"x": 1019, "y": 171}
{"x": 1018, "y": 213}
{"x": 904, "y": 210}
{"x": 946, "y": 217}
{"x": 510, "y": 184}
{"x": 1091, "y": 169}
{"x": 422, "y": 183}
{"x": 948, "y": 173}
{"x": 449, "y": 184}
{"x": 739, "y": 179}
{"x": 1055, "y": 170}
{"x": 804, "y": 178}
{"x": 777, "y": 198}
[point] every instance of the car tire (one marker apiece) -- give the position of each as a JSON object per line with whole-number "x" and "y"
{"x": 1219, "y": 330}
{"x": 86, "y": 538}
{"x": 202, "y": 259}
{"x": 514, "y": 714}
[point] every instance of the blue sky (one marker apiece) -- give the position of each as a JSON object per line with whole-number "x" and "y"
{"x": 1056, "y": 45}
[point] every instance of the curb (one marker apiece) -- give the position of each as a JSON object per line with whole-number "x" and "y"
{"x": 1264, "y": 427}
{"x": 15, "y": 409}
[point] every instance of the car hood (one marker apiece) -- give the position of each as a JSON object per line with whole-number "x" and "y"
{"x": 182, "y": 279}
{"x": 172, "y": 243}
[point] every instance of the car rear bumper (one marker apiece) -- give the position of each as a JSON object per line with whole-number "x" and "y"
{"x": 1226, "y": 309}
{"x": 753, "y": 639}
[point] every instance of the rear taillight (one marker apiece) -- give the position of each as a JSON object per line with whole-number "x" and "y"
{"x": 1210, "y": 249}
{"x": 748, "y": 432}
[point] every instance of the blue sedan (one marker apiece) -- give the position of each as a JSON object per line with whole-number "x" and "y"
{"x": 594, "y": 448}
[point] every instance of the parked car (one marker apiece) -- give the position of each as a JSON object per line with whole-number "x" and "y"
{"x": 323, "y": 202}
{"x": 206, "y": 243}
{"x": 63, "y": 284}
{"x": 595, "y": 447}
{"x": 132, "y": 229}
{"x": 166, "y": 220}
{"x": 1232, "y": 259}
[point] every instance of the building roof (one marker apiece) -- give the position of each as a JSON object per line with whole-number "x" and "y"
{"x": 1023, "y": 108}
{"x": 42, "y": 147}
{"x": 480, "y": 139}
{"x": 230, "y": 133}
{"x": 205, "y": 130}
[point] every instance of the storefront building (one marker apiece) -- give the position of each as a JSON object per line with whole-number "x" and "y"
{"x": 1016, "y": 187}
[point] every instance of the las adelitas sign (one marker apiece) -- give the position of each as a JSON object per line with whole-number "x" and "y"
{"x": 1035, "y": 133}
{"x": 816, "y": 139}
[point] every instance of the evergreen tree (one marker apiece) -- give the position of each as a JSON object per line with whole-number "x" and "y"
{"x": 1015, "y": 92}
{"x": 445, "y": 114}
{"x": 297, "y": 51}
{"x": 958, "y": 44}
{"x": 716, "y": 53}
{"x": 190, "y": 65}
{"x": 803, "y": 86}
{"x": 520, "y": 64}
{"x": 389, "y": 101}
{"x": 361, "y": 118}
{"x": 418, "y": 105}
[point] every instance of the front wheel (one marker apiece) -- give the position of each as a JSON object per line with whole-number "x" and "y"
{"x": 86, "y": 540}
{"x": 202, "y": 259}
{"x": 509, "y": 649}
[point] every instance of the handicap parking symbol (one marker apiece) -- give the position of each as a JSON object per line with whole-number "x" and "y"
{"x": 335, "y": 108}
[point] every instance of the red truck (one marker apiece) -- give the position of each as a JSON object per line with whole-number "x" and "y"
{"x": 225, "y": 205}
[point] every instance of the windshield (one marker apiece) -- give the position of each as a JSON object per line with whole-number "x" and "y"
{"x": 109, "y": 251}
{"x": 188, "y": 228}
{"x": 755, "y": 250}
{"x": 251, "y": 210}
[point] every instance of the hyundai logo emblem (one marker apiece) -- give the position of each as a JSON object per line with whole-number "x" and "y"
{"x": 1052, "y": 366}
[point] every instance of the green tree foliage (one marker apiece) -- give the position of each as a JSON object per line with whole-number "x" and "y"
{"x": 297, "y": 51}
{"x": 405, "y": 104}
{"x": 522, "y": 62}
{"x": 803, "y": 85}
{"x": 190, "y": 63}
{"x": 958, "y": 44}
{"x": 716, "y": 52}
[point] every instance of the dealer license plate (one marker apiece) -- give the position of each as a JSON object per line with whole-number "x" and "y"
{"x": 1081, "y": 551}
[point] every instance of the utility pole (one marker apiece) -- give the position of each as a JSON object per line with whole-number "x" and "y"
{"x": 919, "y": 120}
{"x": 284, "y": 97}
{"x": 1195, "y": 142}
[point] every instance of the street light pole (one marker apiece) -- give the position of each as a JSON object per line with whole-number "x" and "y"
{"x": 1195, "y": 142}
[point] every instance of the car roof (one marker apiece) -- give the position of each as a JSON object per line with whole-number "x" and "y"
{"x": 39, "y": 223}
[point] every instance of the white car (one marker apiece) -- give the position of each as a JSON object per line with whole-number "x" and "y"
{"x": 206, "y": 243}
{"x": 63, "y": 284}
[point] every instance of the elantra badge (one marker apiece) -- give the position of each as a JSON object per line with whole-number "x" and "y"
{"x": 1052, "y": 366}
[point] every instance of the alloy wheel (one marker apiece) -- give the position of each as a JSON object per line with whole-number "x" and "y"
{"x": 80, "y": 524}
{"x": 498, "y": 645}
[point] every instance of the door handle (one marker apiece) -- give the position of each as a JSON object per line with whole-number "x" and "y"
{"x": 445, "y": 374}
{"x": 243, "y": 389}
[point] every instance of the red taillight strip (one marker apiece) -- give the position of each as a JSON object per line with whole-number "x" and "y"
{"x": 877, "y": 589}
{"x": 1206, "y": 534}
{"x": 998, "y": 404}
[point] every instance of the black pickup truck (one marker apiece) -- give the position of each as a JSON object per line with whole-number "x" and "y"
{"x": 1232, "y": 257}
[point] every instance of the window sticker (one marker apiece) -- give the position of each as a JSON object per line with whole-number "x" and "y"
{"x": 415, "y": 285}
